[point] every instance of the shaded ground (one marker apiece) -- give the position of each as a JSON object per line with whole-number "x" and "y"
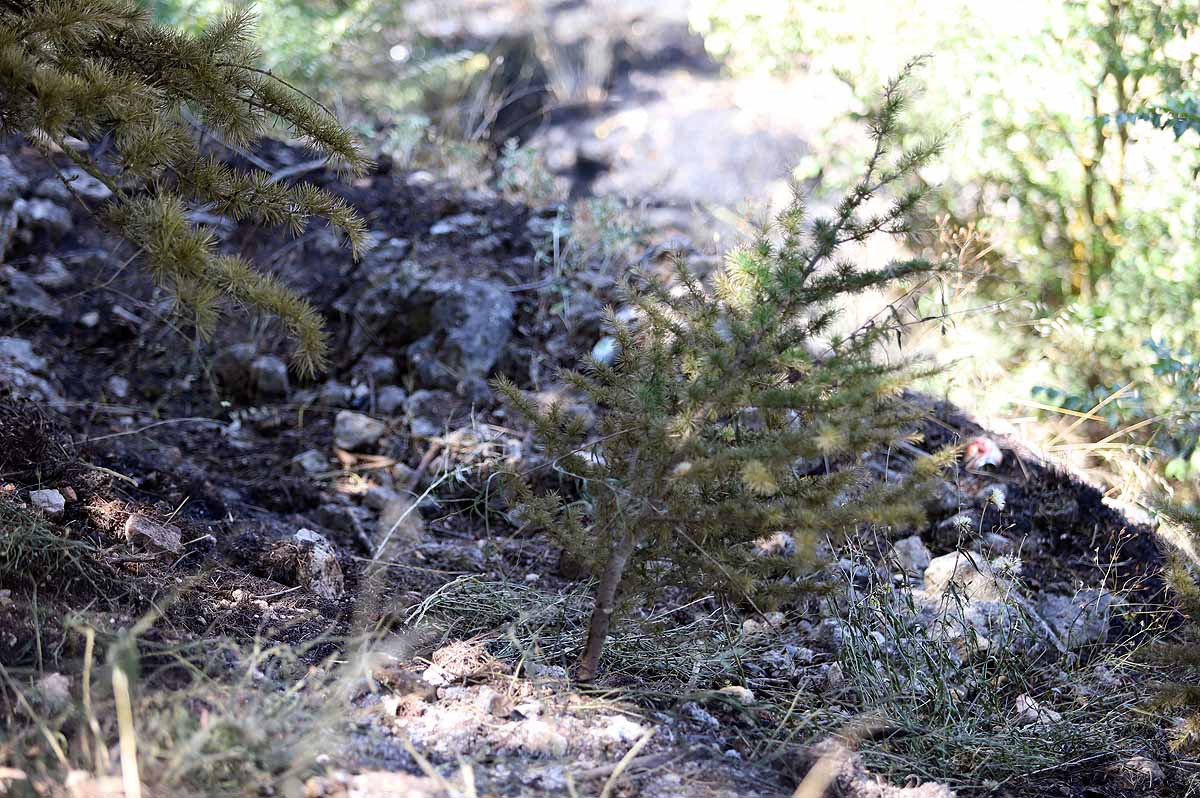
{"x": 431, "y": 628}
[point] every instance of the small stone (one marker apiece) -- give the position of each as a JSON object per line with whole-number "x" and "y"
{"x": 270, "y": 375}
{"x": 539, "y": 737}
{"x": 54, "y": 691}
{"x": 540, "y": 671}
{"x": 27, "y": 296}
{"x": 23, "y": 371}
{"x": 127, "y": 318}
{"x": 232, "y": 366}
{"x": 835, "y": 677}
{"x": 452, "y": 224}
{"x": 89, "y": 319}
{"x": 426, "y": 411}
{"x": 312, "y": 461}
{"x": 605, "y": 350}
{"x": 320, "y": 572}
{"x": 699, "y": 714}
{"x": 50, "y": 502}
{"x": 390, "y": 399}
{"x": 911, "y": 555}
{"x": 1079, "y": 620}
{"x": 81, "y": 183}
{"x": 530, "y": 709}
{"x": 968, "y": 573}
{"x": 620, "y": 729}
{"x": 353, "y": 431}
{"x": 12, "y": 182}
{"x": 995, "y": 542}
{"x": 335, "y": 394}
{"x": 380, "y": 368}
{"x": 118, "y": 386}
{"x": 52, "y": 273}
{"x": 1139, "y": 772}
{"x": 436, "y": 676}
{"x": 493, "y": 703}
{"x": 148, "y": 532}
{"x": 1032, "y": 712}
{"x": 42, "y": 214}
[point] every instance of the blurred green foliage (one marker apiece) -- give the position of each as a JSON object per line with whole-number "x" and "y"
{"x": 360, "y": 56}
{"x": 1074, "y": 149}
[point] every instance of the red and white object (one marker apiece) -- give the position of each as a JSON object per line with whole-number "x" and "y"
{"x": 982, "y": 451}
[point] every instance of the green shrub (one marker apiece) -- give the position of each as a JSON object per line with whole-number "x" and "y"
{"x": 1065, "y": 117}
{"x": 733, "y": 410}
{"x": 100, "y": 72}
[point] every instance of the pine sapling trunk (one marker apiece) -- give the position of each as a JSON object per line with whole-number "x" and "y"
{"x": 606, "y": 601}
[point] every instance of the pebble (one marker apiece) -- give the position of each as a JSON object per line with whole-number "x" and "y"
{"x": 353, "y": 431}
{"x": 146, "y": 531}
{"x": 270, "y": 375}
{"x": 911, "y": 555}
{"x": 52, "y": 273}
{"x": 320, "y": 572}
{"x": 1032, "y": 712}
{"x": 968, "y": 573}
{"x": 12, "y": 182}
{"x": 50, "y": 502}
{"x": 312, "y": 461}
{"x": 390, "y": 399}
{"x": 45, "y": 215}
{"x": 118, "y": 386}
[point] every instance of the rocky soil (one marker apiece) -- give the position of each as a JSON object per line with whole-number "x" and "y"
{"x": 357, "y": 517}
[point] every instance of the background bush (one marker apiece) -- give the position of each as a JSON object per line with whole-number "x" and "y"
{"x": 1074, "y": 149}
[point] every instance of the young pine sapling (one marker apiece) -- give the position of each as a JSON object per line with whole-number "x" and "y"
{"x": 734, "y": 411}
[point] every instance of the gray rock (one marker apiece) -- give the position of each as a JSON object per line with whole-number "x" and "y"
{"x": 380, "y": 368}
{"x": 1031, "y": 712}
{"x": 52, "y": 273}
{"x": 24, "y": 372}
{"x": 605, "y": 351}
{"x": 232, "y": 366}
{"x": 336, "y": 394}
{"x": 429, "y": 413}
{"x": 9, "y": 222}
{"x": 42, "y": 214}
{"x": 29, "y": 298}
{"x": 1079, "y": 620}
{"x": 969, "y": 574}
{"x": 911, "y": 555}
{"x": 118, "y": 386}
{"x": 400, "y": 526}
{"x": 270, "y": 375}
{"x": 319, "y": 569}
{"x": 470, "y": 324}
{"x": 82, "y": 183}
{"x": 50, "y": 502}
{"x": 53, "y": 692}
{"x": 943, "y": 500}
{"x": 12, "y": 182}
{"x": 312, "y": 462}
{"x": 390, "y": 399}
{"x": 453, "y": 224}
{"x": 147, "y": 532}
{"x": 353, "y": 431}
